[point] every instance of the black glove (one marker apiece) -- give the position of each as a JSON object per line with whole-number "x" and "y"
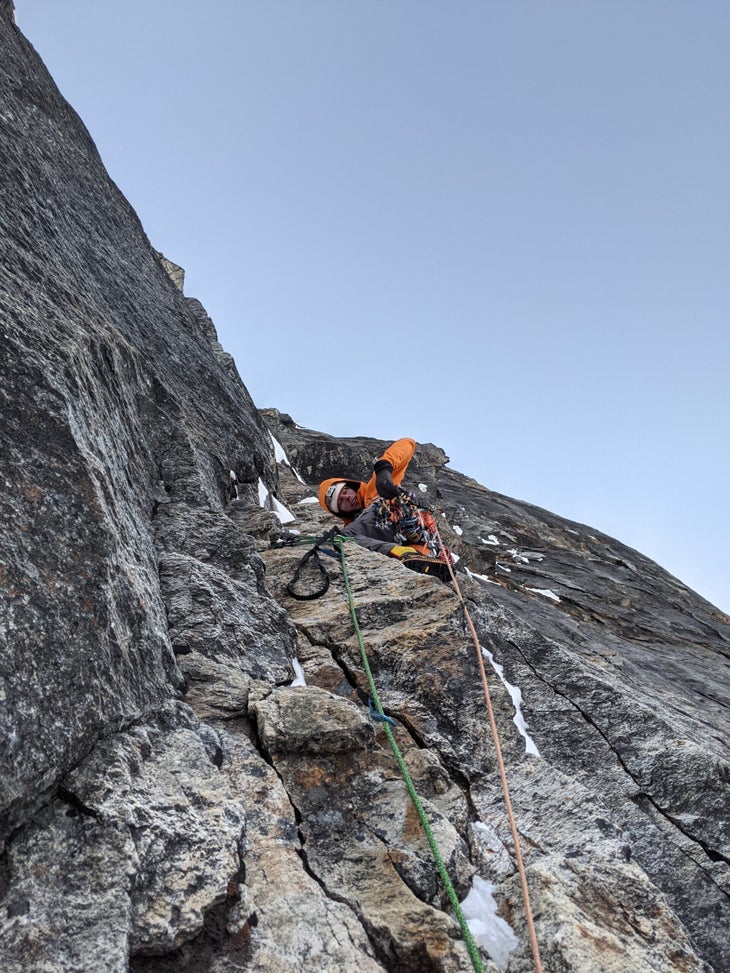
{"x": 384, "y": 480}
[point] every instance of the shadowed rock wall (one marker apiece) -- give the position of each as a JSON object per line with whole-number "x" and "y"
{"x": 168, "y": 801}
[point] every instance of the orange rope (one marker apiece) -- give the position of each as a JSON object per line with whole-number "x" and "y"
{"x": 502, "y": 772}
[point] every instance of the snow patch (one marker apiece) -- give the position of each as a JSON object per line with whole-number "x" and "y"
{"x": 482, "y": 577}
{"x": 268, "y": 501}
{"x": 491, "y": 540}
{"x": 279, "y": 454}
{"x": 457, "y": 530}
{"x": 516, "y": 695}
{"x": 308, "y": 500}
{"x": 423, "y": 488}
{"x": 524, "y": 557}
{"x": 299, "y": 679}
{"x": 489, "y": 930}
{"x": 281, "y": 457}
{"x": 545, "y": 592}
{"x": 284, "y": 515}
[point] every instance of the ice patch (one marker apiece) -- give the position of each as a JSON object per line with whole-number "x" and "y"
{"x": 489, "y": 930}
{"x": 457, "y": 530}
{"x": 516, "y": 695}
{"x": 299, "y": 679}
{"x": 545, "y": 592}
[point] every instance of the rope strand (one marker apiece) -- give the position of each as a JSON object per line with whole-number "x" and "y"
{"x": 502, "y": 775}
{"x": 437, "y": 857}
{"x": 339, "y": 543}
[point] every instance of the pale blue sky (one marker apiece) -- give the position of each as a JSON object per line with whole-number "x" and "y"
{"x": 502, "y": 227}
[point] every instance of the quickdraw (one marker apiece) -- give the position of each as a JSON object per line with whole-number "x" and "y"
{"x": 412, "y": 523}
{"x": 313, "y": 556}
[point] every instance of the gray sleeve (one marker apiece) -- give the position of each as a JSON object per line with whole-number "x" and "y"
{"x": 367, "y": 534}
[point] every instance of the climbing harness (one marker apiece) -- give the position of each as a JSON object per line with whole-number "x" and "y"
{"x": 388, "y": 722}
{"x": 412, "y": 524}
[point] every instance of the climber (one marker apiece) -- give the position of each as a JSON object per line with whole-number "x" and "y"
{"x": 401, "y": 529}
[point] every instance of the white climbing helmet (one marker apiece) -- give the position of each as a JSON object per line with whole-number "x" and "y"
{"x": 332, "y": 495}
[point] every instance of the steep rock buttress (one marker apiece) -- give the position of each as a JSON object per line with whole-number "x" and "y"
{"x": 168, "y": 800}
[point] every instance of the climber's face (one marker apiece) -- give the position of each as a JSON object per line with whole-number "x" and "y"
{"x": 347, "y": 500}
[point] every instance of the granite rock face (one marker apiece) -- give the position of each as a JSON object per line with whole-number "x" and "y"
{"x": 168, "y": 799}
{"x": 623, "y": 673}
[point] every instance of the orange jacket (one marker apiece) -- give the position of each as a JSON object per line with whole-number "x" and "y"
{"x": 398, "y": 455}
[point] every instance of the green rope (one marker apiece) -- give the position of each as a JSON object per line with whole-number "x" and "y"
{"x": 438, "y": 859}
